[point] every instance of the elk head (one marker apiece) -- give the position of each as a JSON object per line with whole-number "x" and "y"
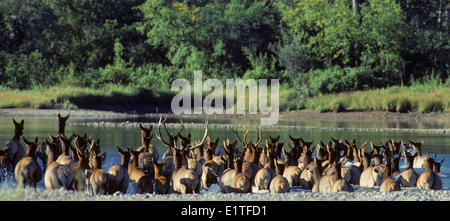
{"x": 18, "y": 128}
{"x": 62, "y": 123}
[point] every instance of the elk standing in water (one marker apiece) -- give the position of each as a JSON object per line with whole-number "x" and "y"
{"x": 251, "y": 157}
{"x": 143, "y": 182}
{"x": 13, "y": 148}
{"x": 388, "y": 184}
{"x": 293, "y": 172}
{"x": 183, "y": 180}
{"x": 408, "y": 178}
{"x": 228, "y": 174}
{"x": 150, "y": 149}
{"x": 279, "y": 183}
{"x": 146, "y": 158}
{"x": 118, "y": 174}
{"x": 99, "y": 179}
{"x": 240, "y": 183}
{"x": 162, "y": 184}
{"x": 372, "y": 175}
{"x": 80, "y": 171}
{"x": 57, "y": 175}
{"x": 27, "y": 171}
{"x": 266, "y": 174}
{"x": 316, "y": 168}
{"x": 210, "y": 166}
{"x": 64, "y": 158}
{"x": 418, "y": 158}
{"x": 429, "y": 179}
{"x": 437, "y": 168}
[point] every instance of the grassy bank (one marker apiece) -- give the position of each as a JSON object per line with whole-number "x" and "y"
{"x": 393, "y": 99}
{"x": 417, "y": 98}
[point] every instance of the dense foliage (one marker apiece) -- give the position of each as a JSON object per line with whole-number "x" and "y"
{"x": 315, "y": 46}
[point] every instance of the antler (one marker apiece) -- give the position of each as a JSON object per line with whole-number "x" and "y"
{"x": 260, "y": 137}
{"x": 237, "y": 134}
{"x": 245, "y": 137}
{"x": 158, "y": 133}
{"x": 203, "y": 139}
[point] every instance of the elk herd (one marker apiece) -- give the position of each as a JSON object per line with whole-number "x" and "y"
{"x": 240, "y": 166}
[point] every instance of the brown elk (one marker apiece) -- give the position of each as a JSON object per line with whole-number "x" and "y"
{"x": 408, "y": 178}
{"x": 228, "y": 174}
{"x": 64, "y": 158}
{"x": 279, "y": 184}
{"x": 352, "y": 174}
{"x": 418, "y": 159}
{"x": 98, "y": 179}
{"x": 306, "y": 176}
{"x": 293, "y": 173}
{"x": 81, "y": 170}
{"x": 429, "y": 179}
{"x": 240, "y": 183}
{"x": 13, "y": 148}
{"x": 81, "y": 142}
{"x": 388, "y": 184}
{"x": 316, "y": 169}
{"x": 183, "y": 180}
{"x": 150, "y": 149}
{"x": 251, "y": 156}
{"x": 57, "y": 175}
{"x": 210, "y": 166}
{"x": 333, "y": 181}
{"x": 437, "y": 168}
{"x": 266, "y": 174}
{"x": 162, "y": 183}
{"x": 372, "y": 175}
{"x": 146, "y": 158}
{"x": 6, "y": 166}
{"x": 395, "y": 146}
{"x": 143, "y": 182}
{"x": 41, "y": 151}
{"x": 118, "y": 174}
{"x": 27, "y": 171}
{"x": 395, "y": 162}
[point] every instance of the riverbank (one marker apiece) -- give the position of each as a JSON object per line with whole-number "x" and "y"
{"x": 418, "y": 99}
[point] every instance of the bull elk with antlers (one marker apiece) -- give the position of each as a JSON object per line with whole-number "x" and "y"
{"x": 183, "y": 180}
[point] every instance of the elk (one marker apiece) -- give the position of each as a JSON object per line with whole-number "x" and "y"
{"x": 437, "y": 168}
{"x": 27, "y": 171}
{"x": 240, "y": 183}
{"x": 293, "y": 173}
{"x": 408, "y": 178}
{"x": 266, "y": 174}
{"x": 41, "y": 151}
{"x": 98, "y": 179}
{"x": 13, "y": 148}
{"x": 57, "y": 175}
{"x": 146, "y": 157}
{"x": 388, "y": 184}
{"x": 150, "y": 149}
{"x": 395, "y": 146}
{"x": 162, "y": 184}
{"x": 395, "y": 162}
{"x": 279, "y": 183}
{"x": 64, "y": 158}
{"x": 228, "y": 174}
{"x": 183, "y": 180}
{"x": 251, "y": 155}
{"x": 352, "y": 174}
{"x": 81, "y": 142}
{"x": 316, "y": 169}
{"x": 418, "y": 159}
{"x": 372, "y": 175}
{"x": 429, "y": 179}
{"x": 306, "y": 176}
{"x": 118, "y": 174}
{"x": 6, "y": 166}
{"x": 81, "y": 170}
{"x": 295, "y": 149}
{"x": 333, "y": 181}
{"x": 210, "y": 166}
{"x": 143, "y": 182}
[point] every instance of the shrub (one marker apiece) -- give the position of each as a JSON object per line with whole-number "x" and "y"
{"x": 432, "y": 106}
{"x": 404, "y": 105}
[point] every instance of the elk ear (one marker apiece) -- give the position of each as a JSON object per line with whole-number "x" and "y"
{"x": 103, "y": 156}
{"x": 14, "y": 121}
{"x": 120, "y": 150}
{"x": 442, "y": 161}
{"x": 141, "y": 127}
{"x": 434, "y": 157}
{"x": 26, "y": 141}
